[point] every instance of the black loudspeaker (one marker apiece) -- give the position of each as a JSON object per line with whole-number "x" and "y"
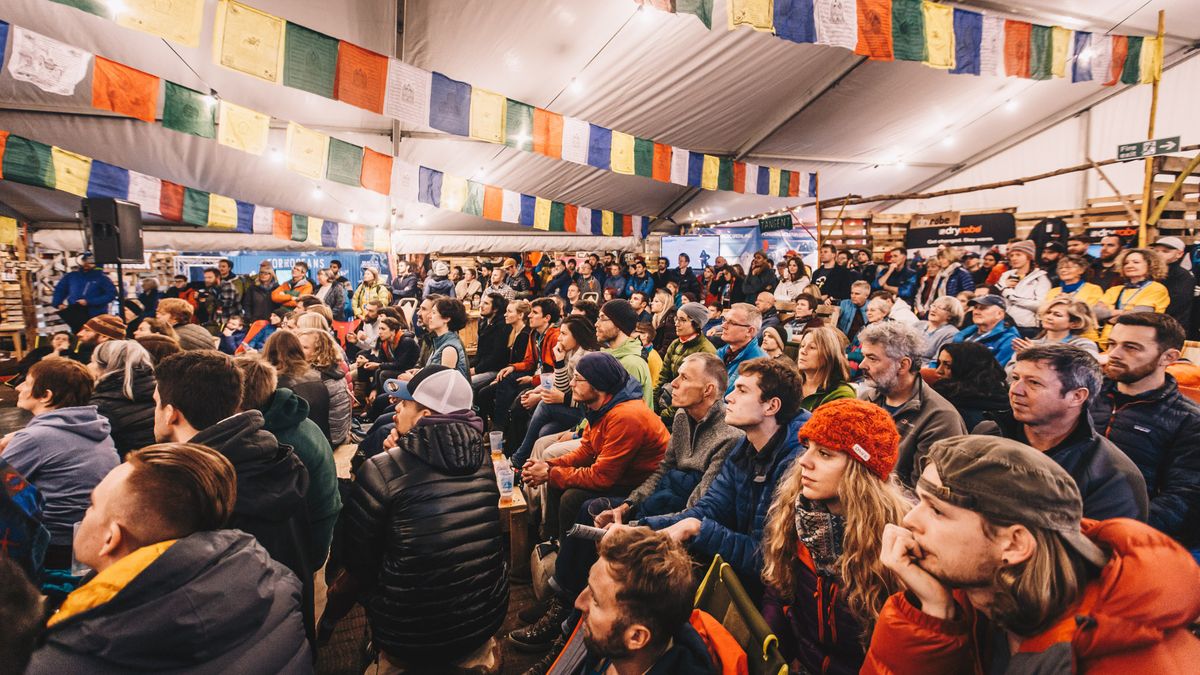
{"x": 116, "y": 228}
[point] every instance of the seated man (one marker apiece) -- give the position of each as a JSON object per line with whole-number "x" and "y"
{"x": 174, "y": 590}
{"x": 1050, "y": 391}
{"x": 178, "y": 313}
{"x": 64, "y": 451}
{"x": 740, "y": 332}
{"x": 1141, "y": 410}
{"x": 992, "y": 328}
{"x": 1015, "y": 580}
{"x": 729, "y": 518}
{"x": 615, "y": 328}
{"x": 892, "y": 358}
{"x": 422, "y": 546}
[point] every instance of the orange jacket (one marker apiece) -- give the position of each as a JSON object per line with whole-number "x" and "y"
{"x": 620, "y": 449}
{"x": 1134, "y": 618}
{"x": 529, "y": 363}
{"x": 285, "y": 294}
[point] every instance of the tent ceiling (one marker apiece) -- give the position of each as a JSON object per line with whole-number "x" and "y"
{"x": 656, "y": 75}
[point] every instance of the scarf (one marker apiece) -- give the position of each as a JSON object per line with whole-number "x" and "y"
{"x": 821, "y": 532}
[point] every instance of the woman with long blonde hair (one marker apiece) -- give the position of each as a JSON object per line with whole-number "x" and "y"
{"x": 824, "y": 582}
{"x": 824, "y": 373}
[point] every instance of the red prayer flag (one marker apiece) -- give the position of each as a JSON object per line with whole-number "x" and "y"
{"x": 1017, "y": 38}
{"x": 3, "y": 144}
{"x": 123, "y": 90}
{"x": 493, "y": 202}
{"x": 281, "y": 225}
{"x": 361, "y": 77}
{"x": 1120, "y": 51}
{"x": 627, "y": 225}
{"x": 570, "y": 213}
{"x": 170, "y": 201}
{"x": 547, "y": 133}
{"x": 875, "y": 30}
{"x": 739, "y": 177}
{"x": 660, "y": 165}
{"x": 794, "y": 185}
{"x": 376, "y": 171}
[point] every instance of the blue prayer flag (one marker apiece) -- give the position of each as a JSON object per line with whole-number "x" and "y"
{"x": 245, "y": 221}
{"x": 429, "y": 187}
{"x": 695, "y": 169}
{"x": 597, "y": 222}
{"x": 528, "y": 204}
{"x": 329, "y": 232}
{"x": 105, "y": 179}
{"x": 3, "y": 40}
{"x": 763, "y": 185}
{"x": 450, "y": 105}
{"x": 794, "y": 20}
{"x": 968, "y": 36}
{"x": 599, "y": 147}
{"x": 1081, "y": 68}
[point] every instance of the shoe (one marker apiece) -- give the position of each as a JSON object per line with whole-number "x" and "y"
{"x": 541, "y": 634}
{"x": 533, "y": 613}
{"x": 542, "y": 667}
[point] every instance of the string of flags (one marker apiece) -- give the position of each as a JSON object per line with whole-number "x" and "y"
{"x": 58, "y": 68}
{"x": 959, "y": 41}
{"x": 273, "y": 49}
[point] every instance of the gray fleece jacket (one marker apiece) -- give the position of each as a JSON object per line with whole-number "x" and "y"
{"x": 694, "y": 446}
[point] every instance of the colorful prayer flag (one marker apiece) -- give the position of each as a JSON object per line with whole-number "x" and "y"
{"x": 178, "y": 21}
{"x": 71, "y": 171}
{"x": 541, "y": 214}
{"x": 222, "y": 212}
{"x": 406, "y": 180}
{"x": 430, "y": 191}
{"x": 195, "y": 206}
{"x": 875, "y": 29}
{"x": 599, "y": 147}
{"x": 1120, "y": 51}
{"x": 45, "y": 63}
{"x": 679, "y": 166}
{"x": 566, "y": 221}
{"x": 643, "y": 157}
{"x": 281, "y": 224}
{"x": 345, "y": 236}
{"x": 310, "y": 60}
{"x": 28, "y": 161}
{"x": 774, "y": 178}
{"x": 107, "y": 180}
{"x": 622, "y": 153}
{"x": 597, "y": 217}
{"x": 376, "y": 171}
{"x": 146, "y": 191}
{"x": 8, "y": 231}
{"x": 1017, "y": 38}
{"x": 547, "y": 133}
{"x": 1130, "y": 74}
{"x": 454, "y": 192}
{"x": 1081, "y": 67}
{"x": 487, "y": 115}
{"x": 1041, "y": 53}
{"x": 661, "y": 162}
{"x": 493, "y": 203}
{"x": 695, "y": 175}
{"x": 583, "y": 220}
{"x": 837, "y": 23}
{"x": 450, "y": 105}
{"x": 708, "y": 176}
{"x": 606, "y": 222}
{"x": 1101, "y": 66}
{"x": 299, "y": 227}
{"x": 763, "y": 184}
{"x": 575, "y": 137}
{"x": 908, "y": 30}
{"x": 968, "y": 36}
{"x": 725, "y": 173}
{"x": 3, "y": 40}
{"x": 361, "y": 77}
{"x": 245, "y": 217}
{"x": 1150, "y": 68}
{"x": 96, "y": 7}
{"x": 473, "y": 205}
{"x": 750, "y": 179}
{"x": 518, "y": 125}
{"x": 528, "y": 210}
{"x": 510, "y": 207}
{"x": 170, "y": 203}
{"x": 249, "y": 41}
{"x": 702, "y": 9}
{"x": 408, "y": 92}
{"x": 189, "y": 111}
{"x": 124, "y": 90}
{"x": 939, "y": 35}
{"x": 1060, "y": 40}
{"x": 794, "y": 20}
{"x": 242, "y": 128}
{"x": 329, "y": 233}
{"x": 753, "y": 13}
{"x": 314, "y": 231}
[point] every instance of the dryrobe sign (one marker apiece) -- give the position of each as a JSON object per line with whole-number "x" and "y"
{"x": 985, "y": 229}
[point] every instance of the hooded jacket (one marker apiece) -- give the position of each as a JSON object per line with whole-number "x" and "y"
{"x": 999, "y": 340}
{"x": 286, "y": 418}
{"x": 212, "y": 602}
{"x": 340, "y": 404}
{"x": 1109, "y": 482}
{"x": 422, "y": 532}
{"x": 733, "y": 511}
{"x": 94, "y": 286}
{"x": 64, "y": 453}
{"x": 623, "y": 444}
{"x": 630, "y": 356}
{"x": 131, "y": 422}
{"x": 922, "y": 420}
{"x": 1133, "y": 618}
{"x": 257, "y": 301}
{"x": 1025, "y": 298}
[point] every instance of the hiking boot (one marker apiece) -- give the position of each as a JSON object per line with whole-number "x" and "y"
{"x": 542, "y": 667}
{"x": 534, "y": 612}
{"x": 542, "y": 633}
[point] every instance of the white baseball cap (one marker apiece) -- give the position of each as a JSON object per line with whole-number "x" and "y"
{"x": 441, "y": 389}
{"x": 1171, "y": 242}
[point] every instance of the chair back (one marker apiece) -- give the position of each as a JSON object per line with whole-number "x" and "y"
{"x": 722, "y": 595}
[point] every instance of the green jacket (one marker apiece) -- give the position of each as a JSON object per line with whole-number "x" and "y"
{"x": 630, "y": 356}
{"x": 286, "y": 416}
{"x": 677, "y": 351}
{"x": 822, "y": 396}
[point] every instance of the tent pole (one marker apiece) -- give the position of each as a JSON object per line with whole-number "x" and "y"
{"x": 817, "y": 196}
{"x": 1147, "y": 188}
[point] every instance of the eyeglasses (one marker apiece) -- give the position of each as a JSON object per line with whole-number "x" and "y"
{"x": 739, "y": 325}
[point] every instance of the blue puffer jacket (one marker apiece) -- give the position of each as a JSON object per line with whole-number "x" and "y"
{"x": 846, "y": 310}
{"x": 733, "y": 512}
{"x": 93, "y": 286}
{"x": 644, "y": 284}
{"x": 998, "y": 339}
{"x": 751, "y": 351}
{"x": 959, "y": 280}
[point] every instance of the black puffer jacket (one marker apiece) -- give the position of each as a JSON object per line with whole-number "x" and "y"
{"x": 422, "y": 532}
{"x": 132, "y": 421}
{"x": 1160, "y": 431}
{"x": 491, "y": 352}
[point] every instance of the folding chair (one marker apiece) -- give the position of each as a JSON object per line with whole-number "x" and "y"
{"x": 722, "y": 595}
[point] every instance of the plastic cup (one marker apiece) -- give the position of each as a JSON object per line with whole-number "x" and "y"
{"x": 78, "y": 569}
{"x": 496, "y": 441}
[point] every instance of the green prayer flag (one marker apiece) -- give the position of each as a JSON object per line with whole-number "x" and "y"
{"x": 908, "y": 30}
{"x": 557, "y": 213}
{"x": 1131, "y": 73}
{"x": 97, "y": 7}
{"x": 309, "y": 60}
{"x": 518, "y": 126}
{"x": 643, "y": 157}
{"x": 785, "y": 182}
{"x": 195, "y": 206}
{"x": 300, "y": 227}
{"x": 1041, "y": 53}
{"x": 189, "y": 111}
{"x": 345, "y": 162}
{"x": 703, "y": 10}
{"x": 27, "y": 161}
{"x": 725, "y": 173}
{"x": 474, "y": 204}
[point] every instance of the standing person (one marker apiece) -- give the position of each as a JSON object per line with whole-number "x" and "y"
{"x": 208, "y": 300}
{"x": 822, "y": 538}
{"x": 998, "y": 580}
{"x": 517, "y": 281}
{"x": 1051, "y": 388}
{"x": 149, "y": 296}
{"x": 688, "y": 321}
{"x": 762, "y": 278}
{"x": 256, "y": 301}
{"x": 332, "y": 293}
{"x": 404, "y": 284}
{"x": 124, "y": 392}
{"x": 369, "y": 291}
{"x": 1180, "y": 282}
{"x": 990, "y": 327}
{"x": 824, "y": 373}
{"x": 940, "y": 327}
{"x": 662, "y": 312}
{"x": 287, "y": 293}
{"x": 639, "y": 280}
{"x": 1139, "y": 292}
{"x": 898, "y": 277}
{"x": 973, "y": 381}
{"x": 1106, "y": 272}
{"x": 740, "y": 334}
{"x": 831, "y": 279}
{"x": 64, "y": 451}
{"x": 438, "y": 282}
{"x": 1024, "y": 286}
{"x": 87, "y": 292}
{"x": 323, "y": 354}
{"x": 470, "y": 286}
{"x": 492, "y": 352}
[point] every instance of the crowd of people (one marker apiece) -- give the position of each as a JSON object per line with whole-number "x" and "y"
{"x": 964, "y": 463}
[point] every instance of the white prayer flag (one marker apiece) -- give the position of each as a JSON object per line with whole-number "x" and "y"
{"x": 406, "y": 180}
{"x": 583, "y": 220}
{"x": 146, "y": 191}
{"x": 510, "y": 208}
{"x": 264, "y": 220}
{"x": 750, "y": 186}
{"x": 679, "y": 166}
{"x": 1102, "y": 59}
{"x": 46, "y": 63}
{"x": 407, "y": 95}
{"x": 837, "y": 23}
{"x": 575, "y": 140}
{"x": 991, "y": 46}
{"x": 345, "y": 236}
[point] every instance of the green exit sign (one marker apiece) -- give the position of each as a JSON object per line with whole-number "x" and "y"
{"x": 1159, "y": 146}
{"x": 775, "y": 223}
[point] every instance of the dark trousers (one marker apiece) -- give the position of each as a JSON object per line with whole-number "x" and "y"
{"x": 564, "y": 506}
{"x": 576, "y": 556}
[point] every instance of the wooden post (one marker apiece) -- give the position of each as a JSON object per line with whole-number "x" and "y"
{"x": 817, "y": 197}
{"x": 25, "y": 278}
{"x": 1147, "y": 188}
{"x": 1124, "y": 202}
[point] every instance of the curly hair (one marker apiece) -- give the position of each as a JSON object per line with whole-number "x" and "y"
{"x": 655, "y": 577}
{"x": 1156, "y": 268}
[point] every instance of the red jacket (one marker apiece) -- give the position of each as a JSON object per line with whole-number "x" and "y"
{"x": 1133, "y": 619}
{"x": 531, "y": 360}
{"x": 620, "y": 449}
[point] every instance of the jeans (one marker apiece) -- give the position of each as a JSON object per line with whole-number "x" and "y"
{"x": 481, "y": 380}
{"x": 548, "y": 418}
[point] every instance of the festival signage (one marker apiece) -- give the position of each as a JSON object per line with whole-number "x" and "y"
{"x": 981, "y": 229}
{"x": 943, "y": 219}
{"x": 775, "y": 223}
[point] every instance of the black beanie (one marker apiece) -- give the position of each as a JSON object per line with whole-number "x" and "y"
{"x": 603, "y": 371}
{"x": 622, "y": 314}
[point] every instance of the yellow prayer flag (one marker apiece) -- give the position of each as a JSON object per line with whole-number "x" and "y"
{"x": 313, "y": 236}
{"x": 606, "y": 222}
{"x": 249, "y": 41}
{"x": 757, "y": 14}
{"x": 8, "y": 231}
{"x": 178, "y": 20}
{"x": 773, "y": 176}
{"x": 222, "y": 212}
{"x": 709, "y": 171}
{"x": 381, "y": 240}
{"x": 541, "y": 214}
{"x": 622, "y": 153}
{"x": 1150, "y": 65}
{"x": 939, "y": 35}
{"x": 454, "y": 192}
{"x": 242, "y": 128}
{"x": 488, "y": 112}
{"x": 71, "y": 171}
{"x": 307, "y": 151}
{"x": 1060, "y": 43}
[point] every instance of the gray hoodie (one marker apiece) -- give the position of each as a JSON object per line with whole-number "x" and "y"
{"x": 64, "y": 453}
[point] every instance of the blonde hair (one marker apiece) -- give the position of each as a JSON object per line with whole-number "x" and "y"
{"x": 869, "y": 505}
{"x": 834, "y": 370}
{"x": 668, "y": 307}
{"x": 312, "y": 319}
{"x": 1080, "y": 312}
{"x": 327, "y": 351}
{"x": 950, "y": 255}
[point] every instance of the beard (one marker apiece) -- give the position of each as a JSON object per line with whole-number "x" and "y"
{"x": 1119, "y": 372}
{"x": 607, "y": 646}
{"x": 884, "y": 382}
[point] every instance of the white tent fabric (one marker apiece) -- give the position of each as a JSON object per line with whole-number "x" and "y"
{"x": 867, "y": 127}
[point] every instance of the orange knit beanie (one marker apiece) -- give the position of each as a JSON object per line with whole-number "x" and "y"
{"x": 860, "y": 429}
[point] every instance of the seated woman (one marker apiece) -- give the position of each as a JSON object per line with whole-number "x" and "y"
{"x": 877, "y": 310}
{"x": 1072, "y": 282}
{"x": 1141, "y": 268}
{"x": 284, "y": 351}
{"x": 446, "y": 317}
{"x": 58, "y": 345}
{"x": 945, "y": 316}
{"x": 821, "y": 545}
{"x": 124, "y": 392}
{"x": 396, "y": 351}
{"x": 324, "y": 355}
{"x": 824, "y": 374}
{"x": 1064, "y": 320}
{"x": 972, "y": 380}
{"x": 793, "y": 281}
{"x": 803, "y": 318}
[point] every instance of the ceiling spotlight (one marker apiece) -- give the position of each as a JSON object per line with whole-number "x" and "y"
{"x": 948, "y": 141}
{"x": 275, "y": 155}
{"x": 317, "y": 193}
{"x": 1011, "y": 104}
{"x": 116, "y": 7}
{"x": 575, "y": 86}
